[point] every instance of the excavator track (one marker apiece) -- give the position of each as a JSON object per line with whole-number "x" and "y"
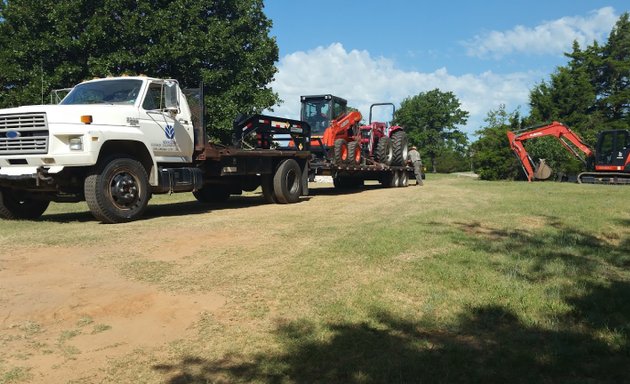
{"x": 615, "y": 178}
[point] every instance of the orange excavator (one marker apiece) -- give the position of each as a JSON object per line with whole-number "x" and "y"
{"x": 609, "y": 163}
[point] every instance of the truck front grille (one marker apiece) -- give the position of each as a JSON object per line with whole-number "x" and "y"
{"x": 23, "y": 134}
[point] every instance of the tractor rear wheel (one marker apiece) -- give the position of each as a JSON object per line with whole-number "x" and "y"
{"x": 340, "y": 155}
{"x": 384, "y": 152}
{"x": 287, "y": 182}
{"x": 400, "y": 147}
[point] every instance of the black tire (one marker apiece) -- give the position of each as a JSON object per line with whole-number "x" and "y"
{"x": 14, "y": 207}
{"x": 212, "y": 194}
{"x": 266, "y": 184}
{"x": 354, "y": 153}
{"x": 305, "y": 178}
{"x": 386, "y": 179}
{"x": 395, "y": 182}
{"x": 340, "y": 152}
{"x": 287, "y": 182}
{"x": 384, "y": 151}
{"x": 400, "y": 148}
{"x": 118, "y": 190}
{"x": 403, "y": 179}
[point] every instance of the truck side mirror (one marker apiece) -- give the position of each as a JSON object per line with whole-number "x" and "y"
{"x": 171, "y": 102}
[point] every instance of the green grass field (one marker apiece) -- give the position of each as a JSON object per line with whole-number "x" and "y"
{"x": 458, "y": 281}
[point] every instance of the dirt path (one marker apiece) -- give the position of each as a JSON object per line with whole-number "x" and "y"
{"x": 64, "y": 317}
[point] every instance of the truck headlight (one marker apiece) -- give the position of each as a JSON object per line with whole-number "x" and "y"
{"x": 76, "y": 144}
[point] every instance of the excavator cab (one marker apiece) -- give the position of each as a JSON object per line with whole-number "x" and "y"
{"x": 320, "y": 110}
{"x": 613, "y": 148}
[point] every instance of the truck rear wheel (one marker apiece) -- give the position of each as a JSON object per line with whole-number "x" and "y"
{"x": 211, "y": 194}
{"x": 384, "y": 152}
{"x": 118, "y": 191}
{"x": 14, "y": 207}
{"x": 403, "y": 179}
{"x": 266, "y": 184}
{"x": 340, "y": 155}
{"x": 400, "y": 148}
{"x": 287, "y": 182}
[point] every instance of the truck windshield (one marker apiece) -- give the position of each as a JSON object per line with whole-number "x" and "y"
{"x": 124, "y": 91}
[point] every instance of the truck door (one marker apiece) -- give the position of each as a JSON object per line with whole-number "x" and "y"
{"x": 165, "y": 125}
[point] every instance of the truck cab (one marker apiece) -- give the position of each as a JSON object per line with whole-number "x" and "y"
{"x": 148, "y": 114}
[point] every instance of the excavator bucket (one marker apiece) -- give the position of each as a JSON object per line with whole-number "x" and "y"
{"x": 542, "y": 171}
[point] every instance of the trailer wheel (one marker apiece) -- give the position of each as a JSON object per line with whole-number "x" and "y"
{"x": 287, "y": 182}
{"x": 118, "y": 190}
{"x": 400, "y": 147}
{"x": 340, "y": 155}
{"x": 212, "y": 194}
{"x": 395, "y": 182}
{"x": 305, "y": 179}
{"x": 384, "y": 152}
{"x": 14, "y": 207}
{"x": 354, "y": 153}
{"x": 403, "y": 179}
{"x": 266, "y": 184}
{"x": 386, "y": 179}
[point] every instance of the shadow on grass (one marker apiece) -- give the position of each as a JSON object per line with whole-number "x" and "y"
{"x": 555, "y": 242}
{"x": 332, "y": 191}
{"x": 486, "y": 344}
{"x": 171, "y": 209}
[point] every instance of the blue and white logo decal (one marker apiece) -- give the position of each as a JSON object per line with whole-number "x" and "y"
{"x": 13, "y": 134}
{"x": 169, "y": 131}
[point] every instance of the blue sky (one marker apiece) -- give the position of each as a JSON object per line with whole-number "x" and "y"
{"x": 487, "y": 53}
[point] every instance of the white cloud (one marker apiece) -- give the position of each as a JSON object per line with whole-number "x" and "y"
{"x": 363, "y": 80}
{"x": 551, "y": 37}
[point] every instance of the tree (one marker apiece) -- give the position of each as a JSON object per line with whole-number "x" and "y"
{"x": 46, "y": 44}
{"x": 430, "y": 119}
{"x": 493, "y": 159}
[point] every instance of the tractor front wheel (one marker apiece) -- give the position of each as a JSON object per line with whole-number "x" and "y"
{"x": 340, "y": 154}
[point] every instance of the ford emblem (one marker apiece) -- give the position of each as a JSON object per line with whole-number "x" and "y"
{"x": 13, "y": 134}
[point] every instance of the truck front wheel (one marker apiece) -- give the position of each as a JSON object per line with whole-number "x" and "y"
{"x": 15, "y": 207}
{"x": 118, "y": 190}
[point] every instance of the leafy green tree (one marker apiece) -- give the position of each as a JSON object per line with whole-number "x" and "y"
{"x": 591, "y": 93}
{"x": 614, "y": 76}
{"x": 492, "y": 157}
{"x": 46, "y": 44}
{"x": 431, "y": 119}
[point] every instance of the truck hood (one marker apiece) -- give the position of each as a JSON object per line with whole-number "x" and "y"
{"x": 102, "y": 114}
